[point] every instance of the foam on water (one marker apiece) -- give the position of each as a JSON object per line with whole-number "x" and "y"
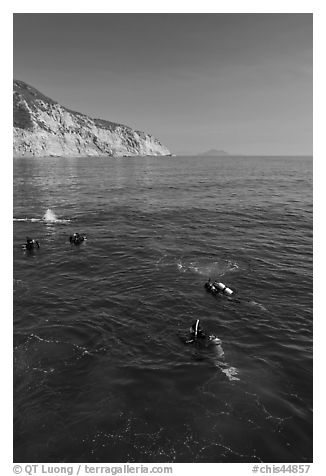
{"x": 28, "y": 219}
{"x": 261, "y": 306}
{"x": 231, "y": 373}
{"x": 48, "y": 217}
{"x": 212, "y": 269}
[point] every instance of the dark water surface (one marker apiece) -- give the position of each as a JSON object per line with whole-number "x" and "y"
{"x": 101, "y": 370}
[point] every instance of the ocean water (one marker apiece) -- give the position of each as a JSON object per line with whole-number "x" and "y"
{"x": 102, "y": 372}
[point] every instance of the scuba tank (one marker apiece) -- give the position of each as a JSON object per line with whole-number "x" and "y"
{"x": 223, "y": 288}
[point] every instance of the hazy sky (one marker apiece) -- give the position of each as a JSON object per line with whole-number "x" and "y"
{"x": 237, "y": 82}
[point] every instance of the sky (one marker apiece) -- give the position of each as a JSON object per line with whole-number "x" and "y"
{"x": 237, "y": 82}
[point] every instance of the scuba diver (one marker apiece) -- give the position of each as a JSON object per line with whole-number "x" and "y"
{"x": 213, "y": 345}
{"x": 217, "y": 287}
{"x": 30, "y": 244}
{"x": 199, "y": 337}
{"x": 76, "y": 238}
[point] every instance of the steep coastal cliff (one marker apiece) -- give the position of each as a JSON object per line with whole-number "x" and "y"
{"x": 42, "y": 127}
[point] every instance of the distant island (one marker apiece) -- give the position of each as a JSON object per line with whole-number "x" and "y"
{"x": 214, "y": 153}
{"x": 44, "y": 128}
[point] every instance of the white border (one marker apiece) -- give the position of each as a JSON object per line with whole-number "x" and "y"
{"x": 169, "y": 6}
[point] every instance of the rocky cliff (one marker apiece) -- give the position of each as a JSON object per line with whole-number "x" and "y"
{"x": 42, "y": 127}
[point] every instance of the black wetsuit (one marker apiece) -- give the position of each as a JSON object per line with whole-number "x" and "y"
{"x": 76, "y": 238}
{"x": 30, "y": 244}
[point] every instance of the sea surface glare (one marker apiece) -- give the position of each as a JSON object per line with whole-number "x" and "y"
{"x": 101, "y": 369}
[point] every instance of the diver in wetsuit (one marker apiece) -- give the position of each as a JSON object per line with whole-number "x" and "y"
{"x": 196, "y": 332}
{"x": 199, "y": 337}
{"x": 218, "y": 288}
{"x": 31, "y": 244}
{"x": 76, "y": 238}
{"x": 210, "y": 286}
